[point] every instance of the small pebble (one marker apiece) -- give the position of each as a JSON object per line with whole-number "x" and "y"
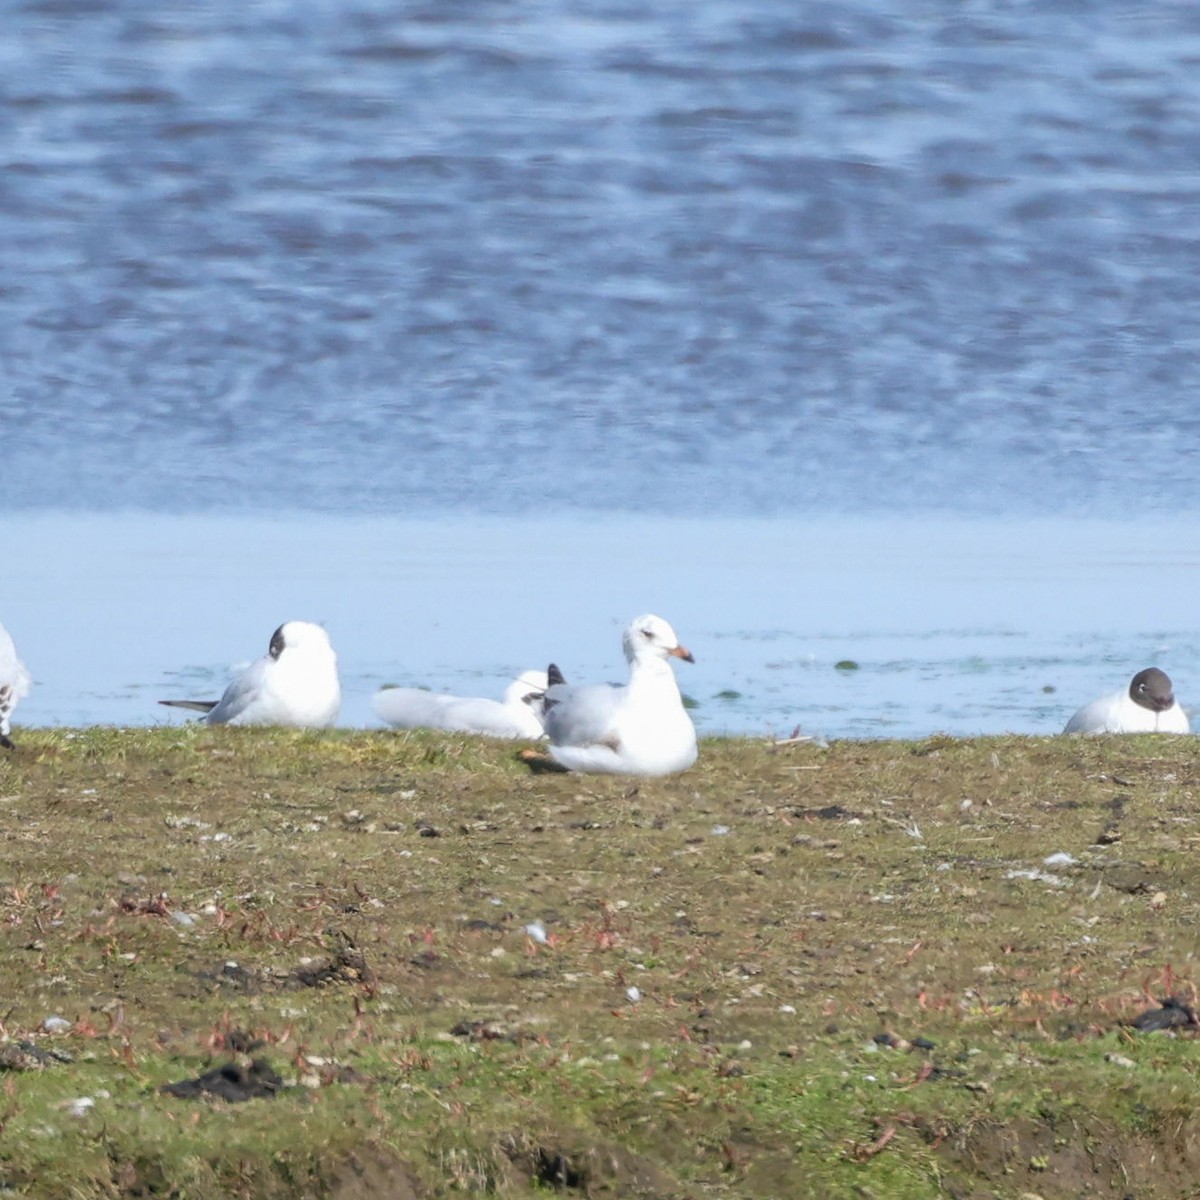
{"x": 1061, "y": 859}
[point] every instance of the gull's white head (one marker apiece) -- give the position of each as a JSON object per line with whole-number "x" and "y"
{"x": 300, "y": 635}
{"x": 528, "y": 688}
{"x": 650, "y": 637}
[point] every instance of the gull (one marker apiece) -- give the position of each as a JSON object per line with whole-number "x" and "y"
{"x": 295, "y": 683}
{"x": 15, "y": 682}
{"x": 1148, "y": 705}
{"x": 518, "y": 715}
{"x": 640, "y": 728}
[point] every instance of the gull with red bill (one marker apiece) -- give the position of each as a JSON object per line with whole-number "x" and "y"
{"x": 640, "y": 728}
{"x": 1147, "y": 705}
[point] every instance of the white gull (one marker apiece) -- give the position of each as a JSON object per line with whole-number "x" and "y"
{"x": 1148, "y": 705}
{"x": 295, "y": 683}
{"x": 640, "y": 728}
{"x": 15, "y": 682}
{"x": 518, "y": 715}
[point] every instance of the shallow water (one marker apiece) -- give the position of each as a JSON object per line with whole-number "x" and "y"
{"x": 798, "y": 285}
{"x": 959, "y": 626}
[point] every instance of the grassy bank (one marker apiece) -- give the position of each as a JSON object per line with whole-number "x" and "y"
{"x": 791, "y": 971}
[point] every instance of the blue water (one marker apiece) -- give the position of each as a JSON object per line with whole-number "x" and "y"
{"x": 962, "y": 626}
{"x": 691, "y": 257}
{"x": 860, "y": 331}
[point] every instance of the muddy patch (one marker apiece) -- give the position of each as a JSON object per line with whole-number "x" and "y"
{"x": 570, "y": 1165}
{"x": 1067, "y": 1159}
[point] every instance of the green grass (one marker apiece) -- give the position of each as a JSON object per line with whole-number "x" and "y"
{"x": 349, "y": 899}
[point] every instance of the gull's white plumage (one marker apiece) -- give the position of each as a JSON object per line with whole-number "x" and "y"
{"x": 1147, "y": 705}
{"x": 639, "y": 728}
{"x": 518, "y": 715}
{"x": 15, "y": 682}
{"x": 295, "y": 683}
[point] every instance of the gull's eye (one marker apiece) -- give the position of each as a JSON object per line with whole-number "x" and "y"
{"x": 648, "y": 634}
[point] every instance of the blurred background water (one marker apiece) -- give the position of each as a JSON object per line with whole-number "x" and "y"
{"x": 498, "y": 293}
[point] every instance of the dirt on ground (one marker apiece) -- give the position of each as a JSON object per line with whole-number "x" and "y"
{"x": 281, "y": 965}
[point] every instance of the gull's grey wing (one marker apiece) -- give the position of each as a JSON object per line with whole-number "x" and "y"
{"x": 581, "y": 716}
{"x": 242, "y": 696}
{"x": 1097, "y": 717}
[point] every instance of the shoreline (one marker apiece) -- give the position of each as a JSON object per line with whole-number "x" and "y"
{"x": 969, "y": 627}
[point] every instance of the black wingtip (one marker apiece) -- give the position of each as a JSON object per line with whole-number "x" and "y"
{"x": 200, "y": 706}
{"x": 554, "y": 677}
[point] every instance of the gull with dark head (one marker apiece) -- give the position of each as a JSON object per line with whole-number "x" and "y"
{"x": 518, "y": 715}
{"x": 15, "y": 682}
{"x": 1148, "y": 705}
{"x": 640, "y": 728}
{"x": 295, "y": 683}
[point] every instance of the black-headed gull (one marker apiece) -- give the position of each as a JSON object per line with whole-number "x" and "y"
{"x": 295, "y": 683}
{"x": 518, "y": 715}
{"x": 640, "y": 728}
{"x": 15, "y": 682}
{"x": 1148, "y": 705}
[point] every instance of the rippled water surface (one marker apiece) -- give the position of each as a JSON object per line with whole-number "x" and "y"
{"x": 690, "y": 257}
{"x": 474, "y": 329}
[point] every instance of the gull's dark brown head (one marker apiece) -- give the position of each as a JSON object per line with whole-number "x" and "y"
{"x": 1151, "y": 689}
